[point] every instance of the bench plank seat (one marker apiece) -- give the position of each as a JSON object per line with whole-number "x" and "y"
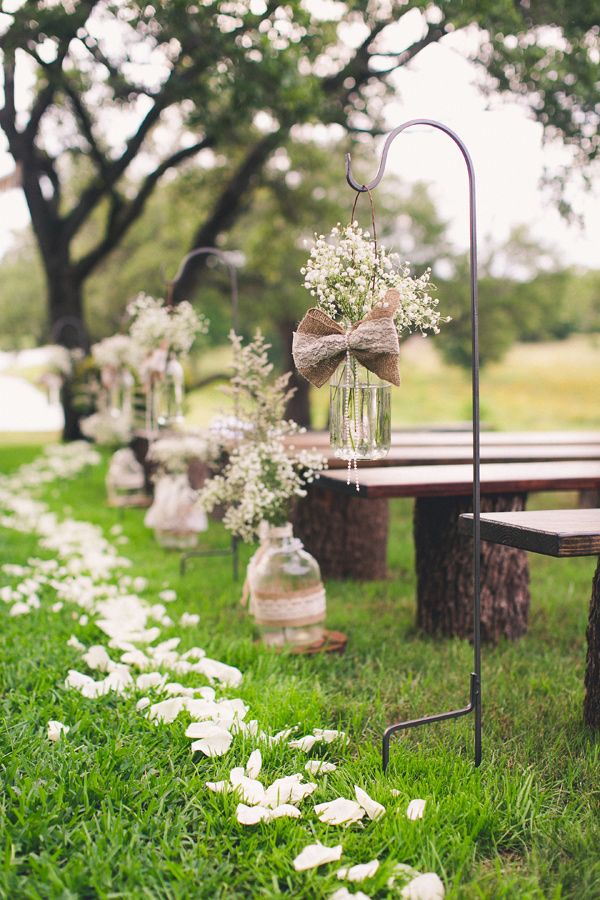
{"x": 554, "y": 532}
{"x": 457, "y": 481}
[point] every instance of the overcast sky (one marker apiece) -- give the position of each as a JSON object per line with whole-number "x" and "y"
{"x": 506, "y": 147}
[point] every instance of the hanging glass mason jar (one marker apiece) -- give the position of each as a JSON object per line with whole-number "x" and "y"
{"x": 359, "y": 413}
{"x": 287, "y": 596}
{"x": 170, "y": 396}
{"x": 175, "y": 514}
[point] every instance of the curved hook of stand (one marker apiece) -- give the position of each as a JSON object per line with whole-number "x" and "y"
{"x": 475, "y": 689}
{"x": 211, "y": 251}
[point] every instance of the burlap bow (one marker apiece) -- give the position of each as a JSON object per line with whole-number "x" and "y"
{"x": 320, "y": 344}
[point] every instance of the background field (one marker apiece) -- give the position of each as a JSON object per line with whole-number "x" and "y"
{"x": 537, "y": 386}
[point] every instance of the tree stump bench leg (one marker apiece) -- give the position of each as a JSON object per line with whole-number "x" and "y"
{"x": 591, "y": 704}
{"x": 444, "y": 565}
{"x": 347, "y": 535}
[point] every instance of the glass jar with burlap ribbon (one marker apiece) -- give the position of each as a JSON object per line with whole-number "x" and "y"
{"x": 361, "y": 362}
{"x": 284, "y": 587}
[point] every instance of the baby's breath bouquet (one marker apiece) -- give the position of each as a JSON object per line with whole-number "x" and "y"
{"x": 113, "y": 352}
{"x": 263, "y": 474}
{"x": 349, "y": 274}
{"x": 154, "y": 325}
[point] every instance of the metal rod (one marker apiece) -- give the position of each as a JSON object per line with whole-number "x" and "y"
{"x": 211, "y": 251}
{"x": 199, "y": 554}
{"x": 428, "y": 720}
{"x": 475, "y": 704}
{"x": 235, "y": 322}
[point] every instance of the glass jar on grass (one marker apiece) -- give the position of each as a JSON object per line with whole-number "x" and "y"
{"x": 360, "y": 414}
{"x": 287, "y": 596}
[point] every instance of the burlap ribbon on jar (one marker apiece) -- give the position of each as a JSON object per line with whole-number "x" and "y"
{"x": 320, "y": 344}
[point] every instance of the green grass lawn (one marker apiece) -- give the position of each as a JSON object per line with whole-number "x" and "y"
{"x": 119, "y": 807}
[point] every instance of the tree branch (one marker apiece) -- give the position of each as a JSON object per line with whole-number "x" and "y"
{"x": 121, "y": 219}
{"x": 227, "y": 208}
{"x": 87, "y": 128}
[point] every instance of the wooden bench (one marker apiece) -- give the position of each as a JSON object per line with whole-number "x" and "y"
{"x": 407, "y": 455}
{"x": 561, "y": 533}
{"x": 442, "y": 553}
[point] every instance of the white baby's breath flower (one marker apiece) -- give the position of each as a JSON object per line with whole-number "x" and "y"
{"x": 349, "y": 275}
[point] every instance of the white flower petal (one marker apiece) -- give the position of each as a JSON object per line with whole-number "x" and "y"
{"x": 97, "y": 658}
{"x": 218, "y": 671}
{"x": 319, "y": 767}
{"x": 167, "y": 710}
{"x": 137, "y": 658}
{"x": 415, "y": 809}
{"x": 328, "y": 735}
{"x": 395, "y": 792}
{"x": 251, "y": 815}
{"x": 254, "y": 764}
{"x": 213, "y": 740}
{"x": 150, "y": 680}
{"x": 281, "y": 735}
{"x": 219, "y": 787}
{"x": 289, "y": 789}
{"x": 360, "y": 872}
{"x": 189, "y": 619}
{"x": 316, "y": 855}
{"x": 424, "y": 887}
{"x": 339, "y": 812}
{"x": 373, "y": 809}
{"x": 305, "y": 743}
{"x": 344, "y": 894}
{"x": 19, "y": 609}
{"x": 55, "y": 729}
{"x": 285, "y": 810}
{"x": 75, "y": 643}
{"x": 144, "y": 703}
{"x": 250, "y": 791}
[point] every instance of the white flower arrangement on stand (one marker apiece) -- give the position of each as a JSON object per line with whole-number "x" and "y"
{"x": 176, "y": 515}
{"x": 162, "y": 336}
{"x": 365, "y": 299}
{"x": 111, "y": 424}
{"x": 59, "y": 367}
{"x": 260, "y": 480}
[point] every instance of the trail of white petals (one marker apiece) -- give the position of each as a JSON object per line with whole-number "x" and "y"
{"x": 133, "y": 660}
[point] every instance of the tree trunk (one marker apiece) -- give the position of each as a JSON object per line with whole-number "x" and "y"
{"x": 591, "y": 704}
{"x": 298, "y": 407}
{"x": 444, "y": 564}
{"x": 346, "y": 535}
{"x": 67, "y": 328}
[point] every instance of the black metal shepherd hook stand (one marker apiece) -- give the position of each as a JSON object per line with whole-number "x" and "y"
{"x": 233, "y": 550}
{"x": 210, "y": 251}
{"x": 474, "y": 705}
